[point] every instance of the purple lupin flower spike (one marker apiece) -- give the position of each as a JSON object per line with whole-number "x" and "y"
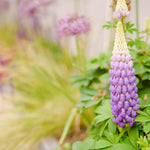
{"x": 121, "y": 10}
{"x": 124, "y": 97}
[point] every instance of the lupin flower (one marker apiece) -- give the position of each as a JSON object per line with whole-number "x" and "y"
{"x": 73, "y": 25}
{"x": 121, "y": 9}
{"x": 124, "y": 97}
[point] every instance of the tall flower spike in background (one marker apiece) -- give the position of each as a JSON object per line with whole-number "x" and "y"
{"x": 124, "y": 98}
{"x": 121, "y": 9}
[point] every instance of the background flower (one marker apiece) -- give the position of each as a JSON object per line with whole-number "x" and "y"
{"x": 73, "y": 25}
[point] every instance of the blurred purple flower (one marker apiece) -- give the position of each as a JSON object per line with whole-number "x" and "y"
{"x": 4, "y": 5}
{"x": 118, "y": 14}
{"x": 23, "y": 34}
{"x": 36, "y": 23}
{"x": 30, "y": 8}
{"x": 27, "y": 8}
{"x": 73, "y": 25}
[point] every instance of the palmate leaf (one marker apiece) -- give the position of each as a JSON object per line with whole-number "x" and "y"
{"x": 104, "y": 112}
{"x": 76, "y": 145}
{"x": 105, "y": 109}
{"x": 102, "y": 127}
{"x": 92, "y": 76}
{"x": 146, "y": 76}
{"x": 139, "y": 68}
{"x": 112, "y": 137}
{"x": 87, "y": 144}
{"x": 100, "y": 118}
{"x": 93, "y": 63}
{"x": 89, "y": 91}
{"x": 122, "y": 146}
{"x": 87, "y": 104}
{"x": 142, "y": 118}
{"x": 146, "y": 127}
{"x": 147, "y": 110}
{"x": 133, "y": 136}
{"x": 142, "y": 93}
{"x": 110, "y": 24}
{"x": 84, "y": 97}
{"x": 146, "y": 60}
{"x": 112, "y": 126}
{"x": 102, "y": 143}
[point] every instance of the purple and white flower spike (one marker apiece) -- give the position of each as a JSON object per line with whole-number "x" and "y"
{"x": 124, "y": 97}
{"x": 121, "y": 9}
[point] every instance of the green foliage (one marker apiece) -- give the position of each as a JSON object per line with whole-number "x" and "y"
{"x": 67, "y": 146}
{"x": 133, "y": 136}
{"x": 144, "y": 142}
{"x": 102, "y": 144}
{"x": 129, "y": 28}
{"x": 87, "y": 144}
{"x": 110, "y": 24}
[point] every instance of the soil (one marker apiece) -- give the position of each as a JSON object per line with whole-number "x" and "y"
{"x": 76, "y": 136}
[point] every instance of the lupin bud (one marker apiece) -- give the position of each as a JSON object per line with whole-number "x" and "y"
{"x": 147, "y": 25}
{"x": 124, "y": 97}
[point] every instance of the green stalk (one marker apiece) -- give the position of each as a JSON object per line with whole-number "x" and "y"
{"x": 68, "y": 125}
{"x": 78, "y": 52}
{"x": 83, "y": 56}
{"x": 137, "y": 17}
{"x": 80, "y": 56}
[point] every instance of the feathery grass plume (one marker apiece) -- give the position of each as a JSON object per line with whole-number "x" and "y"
{"x": 124, "y": 97}
{"x": 121, "y": 9}
{"x": 40, "y": 103}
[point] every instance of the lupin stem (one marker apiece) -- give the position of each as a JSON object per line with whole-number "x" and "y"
{"x": 80, "y": 56}
{"x": 121, "y": 134}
